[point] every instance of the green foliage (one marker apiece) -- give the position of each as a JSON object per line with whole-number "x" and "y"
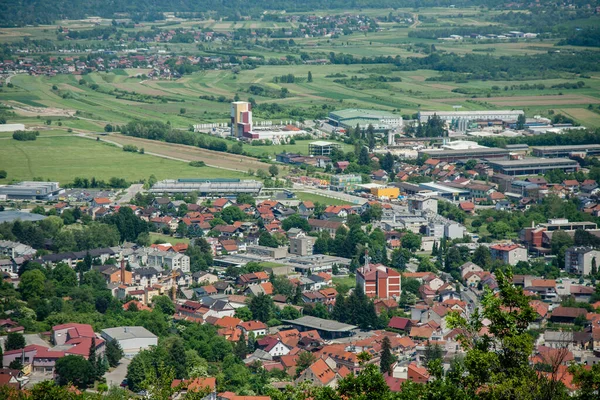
{"x": 76, "y": 370}
{"x": 25, "y": 135}
{"x": 14, "y": 341}
{"x": 114, "y": 353}
{"x": 262, "y": 307}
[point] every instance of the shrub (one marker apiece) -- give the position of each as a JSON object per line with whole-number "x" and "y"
{"x": 130, "y": 148}
{"x": 25, "y": 135}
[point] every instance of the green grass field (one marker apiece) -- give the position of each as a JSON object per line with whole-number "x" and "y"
{"x": 349, "y": 281}
{"x": 304, "y": 196}
{"x": 414, "y": 93}
{"x": 154, "y": 237}
{"x": 64, "y": 158}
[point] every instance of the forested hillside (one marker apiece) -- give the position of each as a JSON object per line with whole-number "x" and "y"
{"x": 24, "y": 12}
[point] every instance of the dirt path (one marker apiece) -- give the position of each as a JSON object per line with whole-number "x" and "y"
{"x": 417, "y": 22}
{"x": 185, "y": 153}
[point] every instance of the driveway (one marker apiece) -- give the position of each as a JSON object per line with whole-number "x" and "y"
{"x": 130, "y": 193}
{"x": 116, "y": 376}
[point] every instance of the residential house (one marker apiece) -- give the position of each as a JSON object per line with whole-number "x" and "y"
{"x": 319, "y": 374}
{"x": 509, "y": 253}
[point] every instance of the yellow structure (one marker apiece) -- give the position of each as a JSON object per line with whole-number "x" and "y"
{"x": 389, "y": 192}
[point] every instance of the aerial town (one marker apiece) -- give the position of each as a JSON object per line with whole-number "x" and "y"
{"x": 300, "y": 201}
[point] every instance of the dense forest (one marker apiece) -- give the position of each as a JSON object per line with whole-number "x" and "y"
{"x": 24, "y": 12}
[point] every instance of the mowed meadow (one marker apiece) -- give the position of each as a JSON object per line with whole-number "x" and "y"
{"x": 59, "y": 157}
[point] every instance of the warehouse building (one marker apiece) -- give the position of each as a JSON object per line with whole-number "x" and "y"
{"x": 453, "y": 116}
{"x": 583, "y": 150}
{"x": 381, "y": 120}
{"x": 30, "y": 190}
{"x": 132, "y": 339}
{"x": 207, "y": 187}
{"x": 466, "y": 154}
{"x": 533, "y": 166}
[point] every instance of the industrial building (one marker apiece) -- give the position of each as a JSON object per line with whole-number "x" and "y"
{"x": 533, "y": 166}
{"x": 466, "y": 154}
{"x": 30, "y": 190}
{"x": 241, "y": 126}
{"x": 447, "y": 192}
{"x": 583, "y": 150}
{"x": 380, "y": 120}
{"x": 461, "y": 120}
{"x": 386, "y": 192}
{"x": 132, "y": 339}
{"x": 321, "y": 148}
{"x": 207, "y": 187}
{"x": 241, "y": 118}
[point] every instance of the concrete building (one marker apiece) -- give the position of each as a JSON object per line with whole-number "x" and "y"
{"x": 30, "y": 190}
{"x": 509, "y": 253}
{"x": 15, "y": 249}
{"x": 579, "y": 260}
{"x": 269, "y": 252}
{"x": 302, "y": 245}
{"x": 465, "y": 154}
{"x": 452, "y": 117}
{"x": 169, "y": 260}
{"x": 423, "y": 204}
{"x": 207, "y": 187}
{"x": 533, "y": 166}
{"x": 380, "y": 120}
{"x": 582, "y": 150}
{"x": 241, "y": 119}
{"x": 308, "y": 265}
{"x": 435, "y": 230}
{"x": 132, "y": 339}
{"x": 342, "y": 183}
{"x": 453, "y": 230}
{"x": 321, "y": 148}
{"x": 448, "y": 192}
{"x": 379, "y": 281}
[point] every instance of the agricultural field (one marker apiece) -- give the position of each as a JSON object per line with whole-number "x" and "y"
{"x": 59, "y": 158}
{"x": 80, "y": 107}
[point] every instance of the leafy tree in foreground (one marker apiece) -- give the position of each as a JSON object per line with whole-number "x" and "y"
{"x": 74, "y": 369}
{"x": 113, "y": 352}
{"x": 14, "y": 341}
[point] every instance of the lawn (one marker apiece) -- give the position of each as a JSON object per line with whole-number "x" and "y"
{"x": 154, "y": 237}
{"x": 317, "y": 198}
{"x": 64, "y": 158}
{"x": 348, "y": 281}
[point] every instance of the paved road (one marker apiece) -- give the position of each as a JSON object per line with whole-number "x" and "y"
{"x": 131, "y": 191}
{"x": 116, "y": 376}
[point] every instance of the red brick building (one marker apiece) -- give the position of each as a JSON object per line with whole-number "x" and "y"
{"x": 379, "y": 281}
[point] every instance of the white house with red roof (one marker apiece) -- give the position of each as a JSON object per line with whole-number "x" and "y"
{"x": 509, "y": 253}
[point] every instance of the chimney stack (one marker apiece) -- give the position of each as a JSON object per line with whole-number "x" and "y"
{"x": 122, "y": 271}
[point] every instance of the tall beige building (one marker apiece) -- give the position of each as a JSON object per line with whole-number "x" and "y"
{"x": 241, "y": 118}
